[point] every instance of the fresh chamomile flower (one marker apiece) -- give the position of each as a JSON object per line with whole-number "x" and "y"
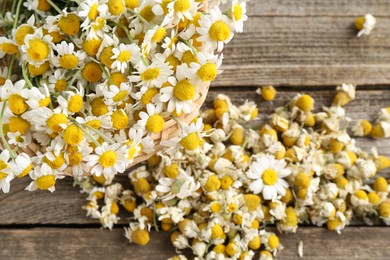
{"x": 153, "y": 75}
{"x": 153, "y": 119}
{"x": 268, "y": 174}
{"x": 47, "y": 120}
{"x": 67, "y": 57}
{"x": 108, "y": 159}
{"x": 117, "y": 95}
{"x": 150, "y": 10}
{"x": 74, "y": 101}
{"x": 44, "y": 178}
{"x": 37, "y": 48}
{"x": 22, "y": 165}
{"x": 155, "y": 35}
{"x": 125, "y": 54}
{"x": 365, "y": 24}
{"x": 20, "y": 33}
{"x": 133, "y": 141}
{"x": 8, "y": 46}
{"x": 58, "y": 81}
{"x": 238, "y": 14}
{"x": 182, "y": 9}
{"x": 207, "y": 67}
{"x": 75, "y": 157}
{"x": 181, "y": 93}
{"x": 16, "y": 94}
{"x": 215, "y": 30}
{"x": 89, "y": 10}
{"x": 38, "y": 97}
{"x": 6, "y": 174}
{"x": 38, "y": 6}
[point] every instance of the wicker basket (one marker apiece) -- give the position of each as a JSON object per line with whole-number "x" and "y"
{"x": 171, "y": 128}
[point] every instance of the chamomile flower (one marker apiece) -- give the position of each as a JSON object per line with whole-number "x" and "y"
{"x": 207, "y": 69}
{"x": 22, "y": 165}
{"x": 7, "y": 46}
{"x": 107, "y": 160}
{"x": 37, "y": 48}
{"x": 215, "y": 30}
{"x": 181, "y": 93}
{"x": 47, "y": 120}
{"x": 123, "y": 55}
{"x": 182, "y": 9}
{"x": 44, "y": 178}
{"x": 74, "y": 102}
{"x": 268, "y": 174}
{"x": 153, "y": 75}
{"x": 58, "y": 81}
{"x": 238, "y": 14}
{"x": 6, "y": 175}
{"x": 152, "y": 120}
{"x": 67, "y": 57}
{"x": 117, "y": 95}
{"x": 90, "y": 10}
{"x": 365, "y": 24}
{"x": 76, "y": 156}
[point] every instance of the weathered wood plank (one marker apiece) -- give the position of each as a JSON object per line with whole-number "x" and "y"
{"x": 92, "y": 243}
{"x": 306, "y": 51}
{"x": 318, "y": 7}
{"x": 64, "y": 205}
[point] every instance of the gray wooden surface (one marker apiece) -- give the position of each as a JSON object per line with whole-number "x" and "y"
{"x": 309, "y": 45}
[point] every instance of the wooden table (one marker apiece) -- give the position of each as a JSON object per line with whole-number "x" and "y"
{"x": 305, "y": 45}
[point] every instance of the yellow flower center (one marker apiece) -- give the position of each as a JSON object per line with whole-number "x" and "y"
{"x": 216, "y": 207}
{"x": 212, "y": 184}
{"x": 22, "y": 32}
{"x": 189, "y": 57}
{"x": 252, "y": 201}
{"x": 361, "y": 194}
{"x": 384, "y": 209}
{"x": 191, "y": 141}
{"x": 147, "y": 13}
{"x": 93, "y": 12}
{"x": 219, "y": 31}
{"x": 38, "y": 70}
{"x": 182, "y": 5}
{"x": 99, "y": 24}
{"x": 120, "y": 96}
{"x": 381, "y": 185}
{"x": 38, "y": 50}
{"x": 94, "y": 123}
{"x": 226, "y": 182}
{"x": 105, "y": 56}
{"x": 217, "y": 232}
{"x": 9, "y": 48}
{"x": 207, "y": 72}
{"x": 155, "y": 123}
{"x": 131, "y": 3}
{"x": 57, "y": 162}
{"x": 140, "y": 237}
{"x": 302, "y": 180}
{"x": 172, "y": 170}
{"x": 75, "y": 158}
{"x": 45, "y": 182}
{"x": 269, "y": 177}
{"x": 91, "y": 47}
{"x": 131, "y": 153}
{"x": 305, "y": 103}
{"x": 173, "y": 61}
{"x": 17, "y": 104}
{"x": 92, "y": 72}
{"x": 116, "y": 7}
{"x": 73, "y": 135}
{"x": 359, "y": 22}
{"x": 25, "y": 171}
{"x": 60, "y": 85}
{"x": 273, "y": 241}
{"x": 237, "y": 12}
{"x": 2, "y": 80}
{"x": 54, "y": 122}
{"x": 159, "y": 35}
{"x": 69, "y": 61}
{"x": 184, "y": 90}
{"x": 99, "y": 108}
{"x": 107, "y": 159}
{"x": 18, "y": 124}
{"x": 150, "y": 74}
{"x": 75, "y": 103}
{"x": 3, "y": 165}
{"x": 119, "y": 119}
{"x": 124, "y": 56}
{"x": 43, "y": 5}
{"x": 148, "y": 95}
{"x": 69, "y": 24}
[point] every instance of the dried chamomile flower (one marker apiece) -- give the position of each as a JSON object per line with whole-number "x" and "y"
{"x": 268, "y": 93}
{"x": 365, "y": 24}
{"x": 345, "y": 94}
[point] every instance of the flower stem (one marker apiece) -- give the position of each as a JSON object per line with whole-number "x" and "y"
{"x": 126, "y": 31}
{"x": 155, "y": 217}
{"x": 25, "y": 76}
{"x": 55, "y": 6}
{"x": 5, "y": 142}
{"x": 100, "y": 134}
{"x": 140, "y": 17}
{"x": 11, "y": 64}
{"x": 88, "y": 134}
{"x": 17, "y": 14}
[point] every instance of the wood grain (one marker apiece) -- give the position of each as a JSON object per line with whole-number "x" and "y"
{"x": 64, "y": 205}
{"x": 306, "y": 51}
{"x": 92, "y": 243}
{"x": 318, "y": 8}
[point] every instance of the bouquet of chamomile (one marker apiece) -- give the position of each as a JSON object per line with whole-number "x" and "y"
{"x": 95, "y": 86}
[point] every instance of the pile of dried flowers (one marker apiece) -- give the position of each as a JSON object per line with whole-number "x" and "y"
{"x": 218, "y": 192}
{"x": 100, "y": 77}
